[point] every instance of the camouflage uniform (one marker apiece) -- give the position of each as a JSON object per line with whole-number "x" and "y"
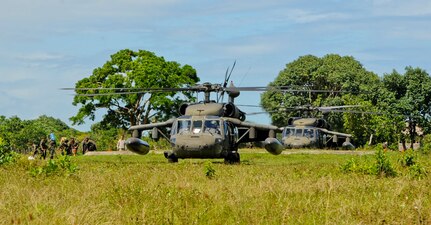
{"x": 52, "y": 145}
{"x": 43, "y": 147}
{"x": 88, "y": 145}
{"x": 72, "y": 148}
{"x": 64, "y": 146}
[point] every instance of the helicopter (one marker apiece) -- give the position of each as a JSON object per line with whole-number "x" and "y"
{"x": 207, "y": 129}
{"x": 311, "y": 132}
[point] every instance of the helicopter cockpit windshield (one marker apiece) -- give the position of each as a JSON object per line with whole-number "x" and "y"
{"x": 299, "y": 132}
{"x": 207, "y": 125}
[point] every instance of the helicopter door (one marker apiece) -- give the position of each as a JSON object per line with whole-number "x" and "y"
{"x": 230, "y": 133}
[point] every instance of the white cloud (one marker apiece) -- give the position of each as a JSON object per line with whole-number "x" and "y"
{"x": 303, "y": 16}
{"x": 39, "y": 56}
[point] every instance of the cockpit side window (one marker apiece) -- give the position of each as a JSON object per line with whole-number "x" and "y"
{"x": 287, "y": 132}
{"x": 184, "y": 126}
{"x": 212, "y": 126}
{"x": 309, "y": 133}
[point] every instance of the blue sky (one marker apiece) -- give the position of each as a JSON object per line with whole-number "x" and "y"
{"x": 50, "y": 44}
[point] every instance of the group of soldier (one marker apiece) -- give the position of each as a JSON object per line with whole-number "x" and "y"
{"x": 48, "y": 145}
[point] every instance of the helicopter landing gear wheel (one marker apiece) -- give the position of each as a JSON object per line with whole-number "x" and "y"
{"x": 232, "y": 158}
{"x": 172, "y": 158}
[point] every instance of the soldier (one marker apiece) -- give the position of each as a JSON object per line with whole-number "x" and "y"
{"x": 52, "y": 145}
{"x": 36, "y": 151}
{"x": 121, "y": 144}
{"x": 43, "y": 147}
{"x": 88, "y": 145}
{"x": 63, "y": 146}
{"x": 73, "y": 147}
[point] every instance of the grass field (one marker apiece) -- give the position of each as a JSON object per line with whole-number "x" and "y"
{"x": 263, "y": 189}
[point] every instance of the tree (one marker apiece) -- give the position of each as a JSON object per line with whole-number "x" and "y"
{"x": 129, "y": 69}
{"x": 18, "y": 134}
{"x": 332, "y": 73}
{"x": 412, "y": 93}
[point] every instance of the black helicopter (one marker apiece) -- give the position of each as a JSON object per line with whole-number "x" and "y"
{"x": 309, "y": 131}
{"x": 206, "y": 129}
{"x": 312, "y": 132}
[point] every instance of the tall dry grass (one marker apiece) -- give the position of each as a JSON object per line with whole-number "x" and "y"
{"x": 264, "y": 189}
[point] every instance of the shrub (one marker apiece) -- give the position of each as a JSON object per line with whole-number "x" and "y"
{"x": 60, "y": 166}
{"x": 209, "y": 170}
{"x": 416, "y": 171}
{"x": 6, "y": 155}
{"x": 408, "y": 158}
{"x": 382, "y": 166}
{"x": 355, "y": 166}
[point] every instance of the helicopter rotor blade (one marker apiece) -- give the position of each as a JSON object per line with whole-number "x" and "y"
{"x": 226, "y": 81}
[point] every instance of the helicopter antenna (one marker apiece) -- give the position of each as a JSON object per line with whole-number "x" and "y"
{"x": 226, "y": 80}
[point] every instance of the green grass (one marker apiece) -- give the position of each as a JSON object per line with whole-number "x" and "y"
{"x": 263, "y": 189}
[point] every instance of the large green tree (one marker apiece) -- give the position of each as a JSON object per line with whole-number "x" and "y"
{"x": 133, "y": 69}
{"x": 332, "y": 73}
{"x": 412, "y": 94}
{"x": 18, "y": 134}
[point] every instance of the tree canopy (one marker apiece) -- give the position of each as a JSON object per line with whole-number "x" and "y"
{"x": 391, "y": 98}
{"x": 18, "y": 134}
{"x": 133, "y": 69}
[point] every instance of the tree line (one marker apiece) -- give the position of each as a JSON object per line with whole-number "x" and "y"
{"x": 387, "y": 103}
{"x": 394, "y": 99}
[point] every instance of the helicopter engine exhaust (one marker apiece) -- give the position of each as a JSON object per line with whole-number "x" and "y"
{"x": 138, "y": 146}
{"x": 273, "y": 146}
{"x": 182, "y": 109}
{"x": 230, "y": 110}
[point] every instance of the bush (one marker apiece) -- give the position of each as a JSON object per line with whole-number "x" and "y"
{"x": 209, "y": 170}
{"x": 354, "y": 166}
{"x": 6, "y": 155}
{"x": 382, "y": 166}
{"x": 60, "y": 166}
{"x": 408, "y": 158}
{"x": 416, "y": 171}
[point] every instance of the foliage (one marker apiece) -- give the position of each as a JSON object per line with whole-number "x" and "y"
{"x": 417, "y": 171}
{"x": 59, "y": 166}
{"x": 209, "y": 170}
{"x": 412, "y": 98}
{"x": 267, "y": 189}
{"x": 331, "y": 73}
{"x": 105, "y": 137}
{"x": 426, "y": 147}
{"x": 382, "y": 166}
{"x": 130, "y": 69}
{"x": 408, "y": 158}
{"x": 6, "y": 156}
{"x": 386, "y": 102}
{"x": 19, "y": 134}
{"x": 355, "y": 166}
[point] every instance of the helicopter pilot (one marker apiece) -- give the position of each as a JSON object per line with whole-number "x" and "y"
{"x": 212, "y": 126}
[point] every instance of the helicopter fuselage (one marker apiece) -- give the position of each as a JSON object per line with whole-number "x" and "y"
{"x": 310, "y": 133}
{"x": 202, "y": 137}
